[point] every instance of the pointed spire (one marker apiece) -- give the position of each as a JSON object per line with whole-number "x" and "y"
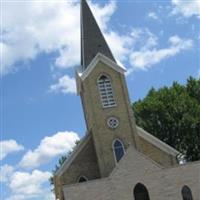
{"x": 92, "y": 40}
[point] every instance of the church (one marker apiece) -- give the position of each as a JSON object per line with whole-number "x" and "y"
{"x": 116, "y": 159}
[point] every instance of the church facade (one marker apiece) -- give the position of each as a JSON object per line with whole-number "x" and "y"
{"x": 117, "y": 160}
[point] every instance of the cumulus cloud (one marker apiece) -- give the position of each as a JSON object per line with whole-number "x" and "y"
{"x": 25, "y": 185}
{"x": 120, "y": 44}
{"x": 151, "y": 55}
{"x": 47, "y": 27}
{"x": 50, "y": 147}
{"x": 103, "y": 14}
{"x": 186, "y": 8}
{"x": 9, "y": 146}
{"x": 54, "y": 27}
{"x": 64, "y": 85}
{"x": 34, "y": 184}
{"x": 6, "y": 172}
{"x": 28, "y": 183}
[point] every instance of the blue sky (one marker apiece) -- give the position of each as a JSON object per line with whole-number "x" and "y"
{"x": 41, "y": 115}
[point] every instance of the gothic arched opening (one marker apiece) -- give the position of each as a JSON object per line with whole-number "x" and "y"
{"x": 82, "y": 179}
{"x": 118, "y": 149}
{"x": 186, "y": 193}
{"x": 141, "y": 192}
{"x": 106, "y": 91}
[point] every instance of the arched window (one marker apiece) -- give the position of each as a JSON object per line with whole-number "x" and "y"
{"x": 82, "y": 179}
{"x": 186, "y": 193}
{"x": 106, "y": 92}
{"x": 141, "y": 192}
{"x": 118, "y": 149}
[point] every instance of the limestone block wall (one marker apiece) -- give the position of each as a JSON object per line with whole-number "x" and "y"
{"x": 96, "y": 116}
{"x": 84, "y": 164}
{"x": 162, "y": 183}
{"x": 156, "y": 154}
{"x": 100, "y": 189}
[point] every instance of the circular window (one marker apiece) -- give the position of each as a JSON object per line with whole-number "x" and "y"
{"x": 112, "y": 122}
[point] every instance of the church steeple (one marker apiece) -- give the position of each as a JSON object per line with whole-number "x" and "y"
{"x": 102, "y": 87}
{"x": 92, "y": 40}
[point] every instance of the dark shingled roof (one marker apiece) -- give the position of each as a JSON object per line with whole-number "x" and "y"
{"x": 92, "y": 40}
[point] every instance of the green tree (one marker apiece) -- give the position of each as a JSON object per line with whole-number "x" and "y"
{"x": 172, "y": 114}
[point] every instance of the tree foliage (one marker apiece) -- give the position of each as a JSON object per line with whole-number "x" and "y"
{"x": 173, "y": 115}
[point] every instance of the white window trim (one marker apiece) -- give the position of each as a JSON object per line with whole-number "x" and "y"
{"x": 113, "y": 148}
{"x": 109, "y": 94}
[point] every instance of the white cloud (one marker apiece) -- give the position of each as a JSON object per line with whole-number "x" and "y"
{"x": 147, "y": 57}
{"x": 22, "y": 185}
{"x": 103, "y": 14}
{"x": 119, "y": 44}
{"x": 186, "y": 8}
{"x": 54, "y": 27}
{"x": 49, "y": 148}
{"x": 28, "y": 183}
{"x": 152, "y": 15}
{"x": 64, "y": 85}
{"x": 6, "y": 172}
{"x": 47, "y": 27}
{"x": 9, "y": 146}
{"x": 25, "y": 185}
{"x": 127, "y": 43}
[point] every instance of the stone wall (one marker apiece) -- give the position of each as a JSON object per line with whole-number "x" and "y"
{"x": 156, "y": 154}
{"x": 85, "y": 164}
{"x": 96, "y": 115}
{"x": 100, "y": 189}
{"x": 162, "y": 184}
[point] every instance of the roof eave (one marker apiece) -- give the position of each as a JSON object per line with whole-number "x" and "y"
{"x": 100, "y": 57}
{"x": 156, "y": 142}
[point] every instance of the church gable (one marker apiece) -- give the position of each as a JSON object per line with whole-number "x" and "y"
{"x": 157, "y": 150}
{"x": 99, "y": 58}
{"x": 82, "y": 164}
{"x": 133, "y": 169}
{"x": 94, "y": 63}
{"x": 135, "y": 164}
